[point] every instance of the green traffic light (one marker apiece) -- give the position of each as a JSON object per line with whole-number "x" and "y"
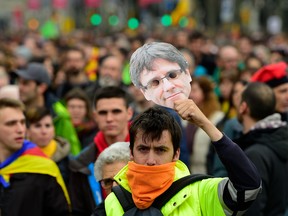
{"x": 95, "y": 19}
{"x": 113, "y": 20}
{"x": 166, "y": 20}
{"x": 183, "y": 22}
{"x": 133, "y": 23}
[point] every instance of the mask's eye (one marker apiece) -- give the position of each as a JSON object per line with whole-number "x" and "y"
{"x": 173, "y": 74}
{"x": 154, "y": 83}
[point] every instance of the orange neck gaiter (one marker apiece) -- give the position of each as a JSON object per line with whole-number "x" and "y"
{"x": 148, "y": 182}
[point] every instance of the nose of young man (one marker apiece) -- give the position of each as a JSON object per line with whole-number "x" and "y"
{"x": 21, "y": 128}
{"x": 109, "y": 117}
{"x": 151, "y": 160}
{"x": 20, "y": 133}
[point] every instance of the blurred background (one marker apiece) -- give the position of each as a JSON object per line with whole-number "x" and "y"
{"x": 54, "y": 17}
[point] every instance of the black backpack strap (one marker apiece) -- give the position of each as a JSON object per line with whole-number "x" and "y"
{"x": 176, "y": 187}
{"x": 127, "y": 203}
{"x": 99, "y": 210}
{"x": 124, "y": 197}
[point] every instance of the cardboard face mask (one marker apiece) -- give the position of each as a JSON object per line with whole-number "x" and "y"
{"x": 166, "y": 84}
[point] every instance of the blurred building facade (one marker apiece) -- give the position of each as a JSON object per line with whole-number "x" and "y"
{"x": 106, "y": 15}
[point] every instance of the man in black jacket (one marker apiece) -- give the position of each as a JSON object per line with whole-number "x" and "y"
{"x": 30, "y": 183}
{"x": 265, "y": 142}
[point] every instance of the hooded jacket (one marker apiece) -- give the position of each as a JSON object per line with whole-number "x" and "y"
{"x": 267, "y": 148}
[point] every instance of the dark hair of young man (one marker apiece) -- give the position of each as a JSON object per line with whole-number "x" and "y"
{"x": 111, "y": 92}
{"x": 260, "y": 99}
{"x": 152, "y": 123}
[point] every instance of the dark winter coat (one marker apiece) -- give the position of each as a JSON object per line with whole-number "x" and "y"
{"x": 34, "y": 195}
{"x": 268, "y": 150}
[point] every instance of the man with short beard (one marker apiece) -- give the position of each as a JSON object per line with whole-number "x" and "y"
{"x": 75, "y": 75}
{"x": 109, "y": 74}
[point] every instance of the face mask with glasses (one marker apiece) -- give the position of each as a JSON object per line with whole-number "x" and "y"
{"x": 154, "y": 83}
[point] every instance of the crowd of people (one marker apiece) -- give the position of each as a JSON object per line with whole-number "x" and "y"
{"x": 80, "y": 115}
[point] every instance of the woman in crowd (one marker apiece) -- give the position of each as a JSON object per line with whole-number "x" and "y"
{"x": 79, "y": 107}
{"x": 41, "y": 131}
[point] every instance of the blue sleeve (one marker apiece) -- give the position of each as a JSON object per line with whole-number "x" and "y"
{"x": 241, "y": 171}
{"x": 233, "y": 129}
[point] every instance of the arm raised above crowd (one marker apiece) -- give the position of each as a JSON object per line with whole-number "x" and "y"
{"x": 189, "y": 111}
{"x": 244, "y": 179}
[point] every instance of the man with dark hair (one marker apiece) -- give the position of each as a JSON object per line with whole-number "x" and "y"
{"x": 155, "y": 150}
{"x": 112, "y": 113}
{"x": 30, "y": 183}
{"x": 265, "y": 142}
{"x": 260, "y": 99}
{"x": 153, "y": 130}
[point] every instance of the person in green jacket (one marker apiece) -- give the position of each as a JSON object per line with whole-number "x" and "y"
{"x": 155, "y": 147}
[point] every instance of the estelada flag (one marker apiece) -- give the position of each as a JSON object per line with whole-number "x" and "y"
{"x": 30, "y": 159}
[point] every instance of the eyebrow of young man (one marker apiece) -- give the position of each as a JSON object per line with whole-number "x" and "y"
{"x": 105, "y": 112}
{"x": 146, "y": 148}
